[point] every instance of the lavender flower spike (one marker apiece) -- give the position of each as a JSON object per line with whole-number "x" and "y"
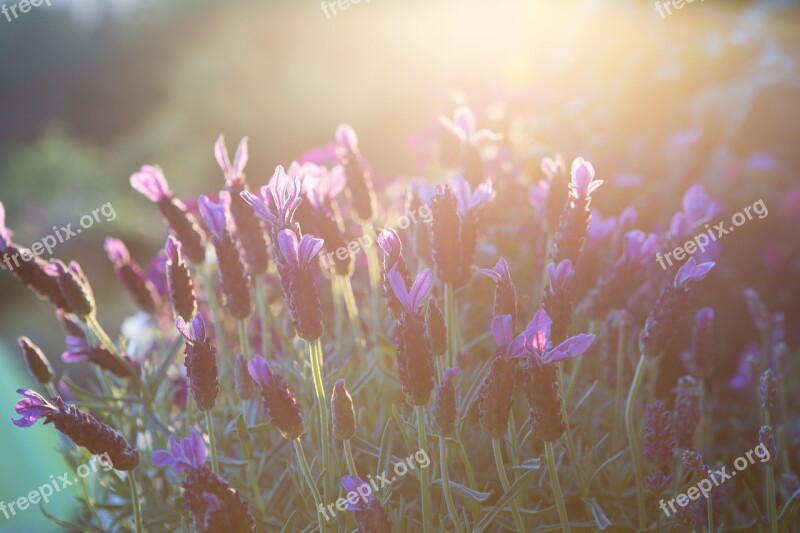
{"x": 214, "y": 216}
{"x": 370, "y": 515}
{"x": 505, "y": 295}
{"x": 187, "y": 455}
{"x": 294, "y": 259}
{"x": 279, "y": 200}
{"x": 150, "y": 182}
{"x": 539, "y": 346}
{"x": 280, "y": 401}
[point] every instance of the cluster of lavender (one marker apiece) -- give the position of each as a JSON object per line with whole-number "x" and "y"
{"x": 268, "y": 242}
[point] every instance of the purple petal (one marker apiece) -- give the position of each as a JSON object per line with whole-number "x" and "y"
{"x": 583, "y": 182}
{"x": 600, "y": 227}
{"x": 398, "y": 285}
{"x": 259, "y": 370}
{"x": 420, "y": 290}
{"x": 212, "y": 502}
{"x": 174, "y": 445}
{"x": 503, "y": 330}
{"x": 214, "y": 216}
{"x": 116, "y": 251}
{"x": 198, "y": 328}
{"x": 560, "y": 274}
{"x": 162, "y": 458}
{"x": 183, "y": 329}
{"x": 463, "y": 193}
{"x": 241, "y": 157}
{"x": 352, "y": 484}
{"x": 287, "y": 243}
{"x": 450, "y": 373}
{"x": 538, "y": 194}
{"x": 347, "y": 138}
{"x": 483, "y": 193}
{"x": 691, "y": 271}
{"x": 553, "y": 167}
{"x": 571, "y": 347}
{"x": 150, "y": 182}
{"x": 5, "y": 234}
{"x": 308, "y": 250}
{"x": 173, "y": 249}
{"x": 537, "y": 333}
{"x": 390, "y": 243}
{"x": 221, "y": 155}
{"x": 628, "y": 217}
{"x": 259, "y": 206}
{"x": 465, "y": 119}
{"x": 198, "y": 449}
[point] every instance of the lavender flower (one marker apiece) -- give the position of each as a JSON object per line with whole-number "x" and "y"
{"x": 463, "y": 127}
{"x": 74, "y": 287}
{"x": 766, "y": 438}
{"x": 359, "y": 175}
{"x": 548, "y": 197}
{"x": 150, "y": 182}
{"x": 414, "y": 359}
{"x": 282, "y": 407}
{"x": 693, "y": 462}
{"x": 233, "y": 276}
{"x": 575, "y": 218}
{"x": 181, "y": 288}
{"x": 505, "y": 295}
{"x": 200, "y": 363}
{"x": 294, "y": 266}
{"x": 757, "y": 309}
{"x": 444, "y": 403}
{"x": 83, "y": 429}
{"x": 687, "y": 411}
{"x": 38, "y": 365}
{"x": 392, "y": 248}
{"x": 541, "y": 377}
{"x": 446, "y": 235}
{"x": 278, "y": 201}
{"x": 557, "y": 298}
{"x": 131, "y": 276}
{"x": 469, "y": 204}
{"x": 670, "y": 307}
{"x": 211, "y": 501}
{"x": 78, "y": 349}
{"x": 244, "y": 384}
{"x": 768, "y": 390}
{"x": 249, "y": 228}
{"x": 658, "y": 481}
{"x": 343, "y": 414}
{"x": 659, "y": 435}
{"x": 370, "y": 515}
{"x": 699, "y": 359}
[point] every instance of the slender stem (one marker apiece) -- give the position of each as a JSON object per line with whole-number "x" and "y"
{"x": 338, "y": 313}
{"x": 261, "y": 302}
{"x": 374, "y": 266}
{"x": 219, "y": 328}
{"x": 501, "y": 471}
{"x": 189, "y": 411}
{"x": 348, "y": 455}
{"x": 244, "y": 342}
{"x": 637, "y": 466}
{"x": 551, "y": 468}
{"x": 512, "y": 434}
{"x": 538, "y": 291}
{"x": 104, "y": 339}
{"x": 772, "y": 510}
{"x": 315, "y": 353}
{"x": 710, "y": 515}
{"x": 212, "y": 441}
{"x": 568, "y": 433}
{"x": 462, "y": 453}
{"x": 251, "y": 474}
{"x": 449, "y": 315}
{"x": 301, "y": 458}
{"x": 621, "y": 344}
{"x": 352, "y": 313}
{"x": 137, "y": 508}
{"x": 423, "y": 475}
{"x": 448, "y": 496}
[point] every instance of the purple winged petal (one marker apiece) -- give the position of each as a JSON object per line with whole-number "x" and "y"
{"x": 398, "y": 285}
{"x": 571, "y": 347}
{"x": 503, "y": 330}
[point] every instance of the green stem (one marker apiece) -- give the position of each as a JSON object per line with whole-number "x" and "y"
{"x": 551, "y": 468}
{"x": 539, "y": 290}
{"x": 261, "y": 302}
{"x": 244, "y": 342}
{"x": 301, "y": 458}
{"x": 772, "y": 510}
{"x": 501, "y": 471}
{"x": 352, "y": 313}
{"x": 212, "y": 441}
{"x": 348, "y": 455}
{"x": 568, "y": 433}
{"x": 315, "y": 353}
{"x": 621, "y": 344}
{"x": 448, "y": 496}
{"x": 637, "y": 466}
{"x": 137, "y": 508}
{"x": 710, "y": 515}
{"x": 338, "y": 314}
{"x": 462, "y": 453}
{"x": 374, "y": 266}
{"x": 450, "y": 319}
{"x": 423, "y": 475}
{"x": 102, "y": 336}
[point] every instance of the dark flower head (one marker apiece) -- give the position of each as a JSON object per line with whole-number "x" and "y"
{"x": 392, "y": 247}
{"x": 444, "y": 403}
{"x": 36, "y": 361}
{"x": 280, "y": 401}
{"x": 70, "y": 324}
{"x": 693, "y": 462}
{"x": 659, "y": 435}
{"x": 181, "y": 288}
{"x": 294, "y": 259}
{"x": 505, "y": 295}
{"x": 74, "y": 287}
{"x": 538, "y": 345}
{"x": 189, "y": 454}
{"x": 79, "y": 349}
{"x": 131, "y": 276}
{"x": 343, "y": 415}
{"x": 357, "y": 172}
{"x": 200, "y": 362}
{"x": 768, "y": 389}
{"x": 557, "y": 300}
{"x": 278, "y": 202}
{"x": 233, "y": 172}
{"x": 446, "y": 229}
{"x": 411, "y": 300}
{"x": 700, "y": 357}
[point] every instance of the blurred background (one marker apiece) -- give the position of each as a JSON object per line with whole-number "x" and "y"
{"x": 93, "y": 89}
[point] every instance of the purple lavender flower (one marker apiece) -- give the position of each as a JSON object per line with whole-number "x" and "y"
{"x": 370, "y": 515}
{"x": 446, "y": 235}
{"x": 699, "y": 358}
{"x": 505, "y": 295}
{"x": 78, "y": 349}
{"x": 235, "y": 171}
{"x": 200, "y": 363}
{"x": 576, "y": 215}
{"x": 444, "y": 403}
{"x": 659, "y": 435}
{"x": 392, "y": 248}
{"x": 358, "y": 172}
{"x": 435, "y": 328}
{"x": 699, "y": 206}
{"x": 670, "y": 307}
{"x": 83, "y": 429}
{"x": 768, "y": 390}
{"x": 766, "y": 438}
{"x": 281, "y": 403}
{"x": 38, "y": 365}
{"x": 414, "y": 358}
{"x": 181, "y": 288}
{"x": 463, "y": 127}
{"x": 278, "y": 201}
{"x": 131, "y": 276}
{"x": 469, "y": 205}
{"x": 539, "y": 346}
{"x": 210, "y": 500}
{"x": 74, "y": 286}
{"x": 150, "y": 182}
{"x": 234, "y": 279}
{"x": 294, "y": 261}
{"x": 552, "y": 194}
{"x": 557, "y": 298}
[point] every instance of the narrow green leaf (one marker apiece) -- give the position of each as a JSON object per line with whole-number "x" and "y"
{"x": 466, "y": 491}
{"x": 498, "y": 506}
